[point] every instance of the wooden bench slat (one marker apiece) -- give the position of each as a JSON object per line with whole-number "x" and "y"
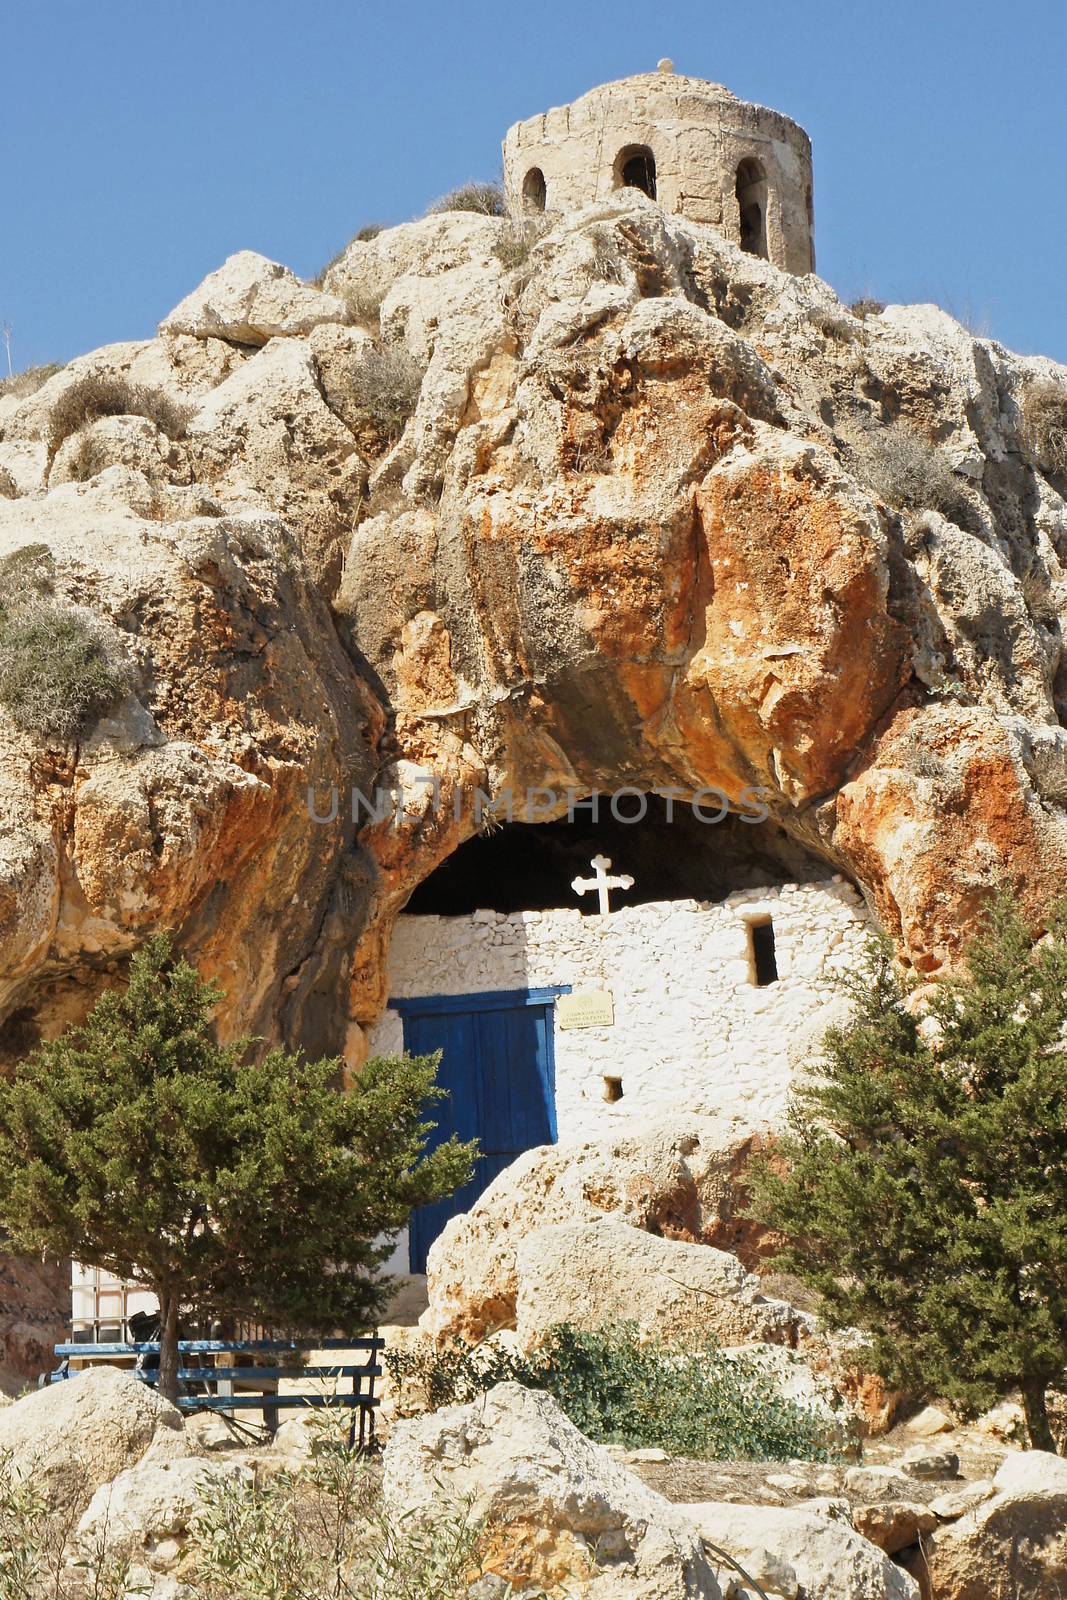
{"x": 272, "y": 1374}
{"x": 219, "y": 1346}
{"x": 255, "y": 1402}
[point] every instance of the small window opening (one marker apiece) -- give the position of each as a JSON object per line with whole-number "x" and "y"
{"x": 752, "y": 207}
{"x": 636, "y": 169}
{"x": 762, "y": 960}
{"x": 534, "y": 190}
{"x": 612, "y": 1090}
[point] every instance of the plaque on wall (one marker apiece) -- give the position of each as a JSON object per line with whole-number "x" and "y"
{"x": 593, "y": 1009}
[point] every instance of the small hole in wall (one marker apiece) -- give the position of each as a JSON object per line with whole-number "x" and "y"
{"x": 612, "y": 1090}
{"x": 763, "y": 963}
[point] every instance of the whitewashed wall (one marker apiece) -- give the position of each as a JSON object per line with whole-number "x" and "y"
{"x": 691, "y": 1028}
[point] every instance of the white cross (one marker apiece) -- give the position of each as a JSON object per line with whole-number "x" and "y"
{"x": 602, "y": 883}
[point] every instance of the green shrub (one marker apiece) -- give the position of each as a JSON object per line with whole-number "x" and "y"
{"x": 1043, "y": 404}
{"x": 909, "y": 473}
{"x": 108, "y": 395}
{"x": 387, "y": 385}
{"x": 35, "y": 1534}
{"x": 22, "y": 384}
{"x": 488, "y": 199}
{"x": 325, "y": 1532}
{"x": 58, "y": 667}
{"x": 617, "y": 1390}
{"x": 57, "y": 674}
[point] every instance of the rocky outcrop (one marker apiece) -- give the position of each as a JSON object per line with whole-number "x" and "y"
{"x": 608, "y": 502}
{"x": 635, "y": 530}
{"x": 675, "y": 1180}
{"x": 147, "y": 1512}
{"x": 75, "y": 1435}
{"x": 34, "y": 1315}
{"x": 561, "y": 1511}
{"x": 1014, "y": 1542}
{"x": 828, "y": 1558}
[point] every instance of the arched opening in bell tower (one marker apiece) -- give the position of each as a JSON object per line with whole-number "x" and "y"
{"x": 751, "y": 189}
{"x": 534, "y": 190}
{"x": 635, "y": 168}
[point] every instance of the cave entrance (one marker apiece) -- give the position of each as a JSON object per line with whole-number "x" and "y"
{"x": 557, "y": 1021}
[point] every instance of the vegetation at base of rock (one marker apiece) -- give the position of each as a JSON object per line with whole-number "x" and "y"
{"x": 23, "y": 384}
{"x": 229, "y": 1185}
{"x": 323, "y": 1533}
{"x": 865, "y": 307}
{"x": 364, "y": 302}
{"x": 318, "y": 1534}
{"x": 616, "y": 1389}
{"x": 386, "y": 385}
{"x": 1043, "y": 404}
{"x": 35, "y": 1533}
{"x": 487, "y": 199}
{"x": 59, "y": 668}
{"x": 924, "y": 1182}
{"x": 111, "y": 395}
{"x": 909, "y": 473}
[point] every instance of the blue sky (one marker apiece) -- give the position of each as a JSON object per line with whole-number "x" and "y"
{"x": 143, "y": 141}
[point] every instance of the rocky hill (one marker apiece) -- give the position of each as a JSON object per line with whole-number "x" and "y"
{"x": 596, "y": 503}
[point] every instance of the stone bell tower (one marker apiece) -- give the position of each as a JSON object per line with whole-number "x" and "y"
{"x": 692, "y": 146}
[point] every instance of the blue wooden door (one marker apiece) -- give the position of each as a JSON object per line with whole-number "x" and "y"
{"x": 497, "y": 1069}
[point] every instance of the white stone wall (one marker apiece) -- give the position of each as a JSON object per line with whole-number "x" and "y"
{"x": 691, "y": 1027}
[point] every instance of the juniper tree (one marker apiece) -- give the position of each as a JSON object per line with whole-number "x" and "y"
{"x": 228, "y": 1185}
{"x": 923, "y": 1184}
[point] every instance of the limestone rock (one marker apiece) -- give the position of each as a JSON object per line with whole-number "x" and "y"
{"x": 563, "y": 1512}
{"x": 675, "y": 1178}
{"x": 922, "y": 1462}
{"x": 147, "y": 1510}
{"x": 1020, "y": 1532}
{"x": 267, "y": 434}
{"x": 75, "y": 1435}
{"x": 892, "y": 1525}
{"x": 952, "y": 1505}
{"x": 587, "y": 1274}
{"x": 931, "y": 1420}
{"x": 249, "y": 300}
{"x": 830, "y": 1560}
{"x": 634, "y": 531}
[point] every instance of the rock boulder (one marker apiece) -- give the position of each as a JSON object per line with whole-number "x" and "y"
{"x": 562, "y": 1511}
{"x": 75, "y": 1435}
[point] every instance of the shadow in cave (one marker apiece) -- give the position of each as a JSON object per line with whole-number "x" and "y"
{"x": 530, "y": 867}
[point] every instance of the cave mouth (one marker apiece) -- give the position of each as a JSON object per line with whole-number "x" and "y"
{"x": 669, "y": 852}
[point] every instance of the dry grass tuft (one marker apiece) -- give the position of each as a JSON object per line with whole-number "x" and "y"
{"x": 107, "y": 395}
{"x": 1043, "y": 404}
{"x": 21, "y": 384}
{"x": 487, "y": 199}
{"x": 59, "y": 668}
{"x": 909, "y": 473}
{"x": 387, "y": 385}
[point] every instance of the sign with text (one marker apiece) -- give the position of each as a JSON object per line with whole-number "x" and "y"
{"x": 593, "y": 1009}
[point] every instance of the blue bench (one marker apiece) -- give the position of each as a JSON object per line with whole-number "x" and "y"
{"x": 206, "y": 1385}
